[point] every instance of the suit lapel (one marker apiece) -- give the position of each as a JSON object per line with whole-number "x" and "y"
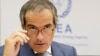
{"x": 55, "y": 50}
{"x": 26, "y": 51}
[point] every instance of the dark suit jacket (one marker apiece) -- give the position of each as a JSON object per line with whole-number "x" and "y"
{"x": 57, "y": 49}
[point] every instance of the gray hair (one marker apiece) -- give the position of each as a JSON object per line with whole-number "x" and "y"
{"x": 37, "y": 5}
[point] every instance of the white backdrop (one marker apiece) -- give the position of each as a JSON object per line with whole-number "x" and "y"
{"x": 79, "y": 23}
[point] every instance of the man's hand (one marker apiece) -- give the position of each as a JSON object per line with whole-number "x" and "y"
{"x": 12, "y": 43}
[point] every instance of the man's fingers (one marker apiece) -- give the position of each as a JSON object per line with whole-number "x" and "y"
{"x": 23, "y": 36}
{"x": 25, "y": 33}
{"x": 19, "y": 36}
{"x": 18, "y": 40}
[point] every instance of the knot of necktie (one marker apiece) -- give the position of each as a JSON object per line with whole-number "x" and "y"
{"x": 43, "y": 54}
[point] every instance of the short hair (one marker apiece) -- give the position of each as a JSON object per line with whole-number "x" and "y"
{"x": 37, "y": 5}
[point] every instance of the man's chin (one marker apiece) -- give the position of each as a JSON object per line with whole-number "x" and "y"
{"x": 40, "y": 49}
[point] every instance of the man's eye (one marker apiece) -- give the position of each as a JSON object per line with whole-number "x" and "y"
{"x": 47, "y": 26}
{"x": 32, "y": 28}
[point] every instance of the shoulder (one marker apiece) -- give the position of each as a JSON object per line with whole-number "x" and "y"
{"x": 61, "y": 45}
{"x": 65, "y": 49}
{"x": 1, "y": 50}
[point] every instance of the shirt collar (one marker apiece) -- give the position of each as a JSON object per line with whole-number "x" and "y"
{"x": 49, "y": 50}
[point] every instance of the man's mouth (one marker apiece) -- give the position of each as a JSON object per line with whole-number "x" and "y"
{"x": 40, "y": 44}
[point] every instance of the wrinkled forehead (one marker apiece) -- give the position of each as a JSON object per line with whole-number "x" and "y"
{"x": 39, "y": 18}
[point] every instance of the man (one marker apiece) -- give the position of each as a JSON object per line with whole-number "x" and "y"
{"x": 38, "y": 19}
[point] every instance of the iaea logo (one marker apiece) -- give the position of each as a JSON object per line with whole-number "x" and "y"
{"x": 63, "y": 7}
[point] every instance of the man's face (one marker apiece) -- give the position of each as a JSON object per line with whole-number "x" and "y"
{"x": 40, "y": 29}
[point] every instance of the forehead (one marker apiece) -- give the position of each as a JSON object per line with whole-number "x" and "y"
{"x": 39, "y": 18}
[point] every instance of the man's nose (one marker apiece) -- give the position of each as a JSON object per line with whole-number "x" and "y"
{"x": 40, "y": 36}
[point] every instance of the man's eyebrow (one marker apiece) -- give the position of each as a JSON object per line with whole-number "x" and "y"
{"x": 48, "y": 25}
{"x": 30, "y": 25}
